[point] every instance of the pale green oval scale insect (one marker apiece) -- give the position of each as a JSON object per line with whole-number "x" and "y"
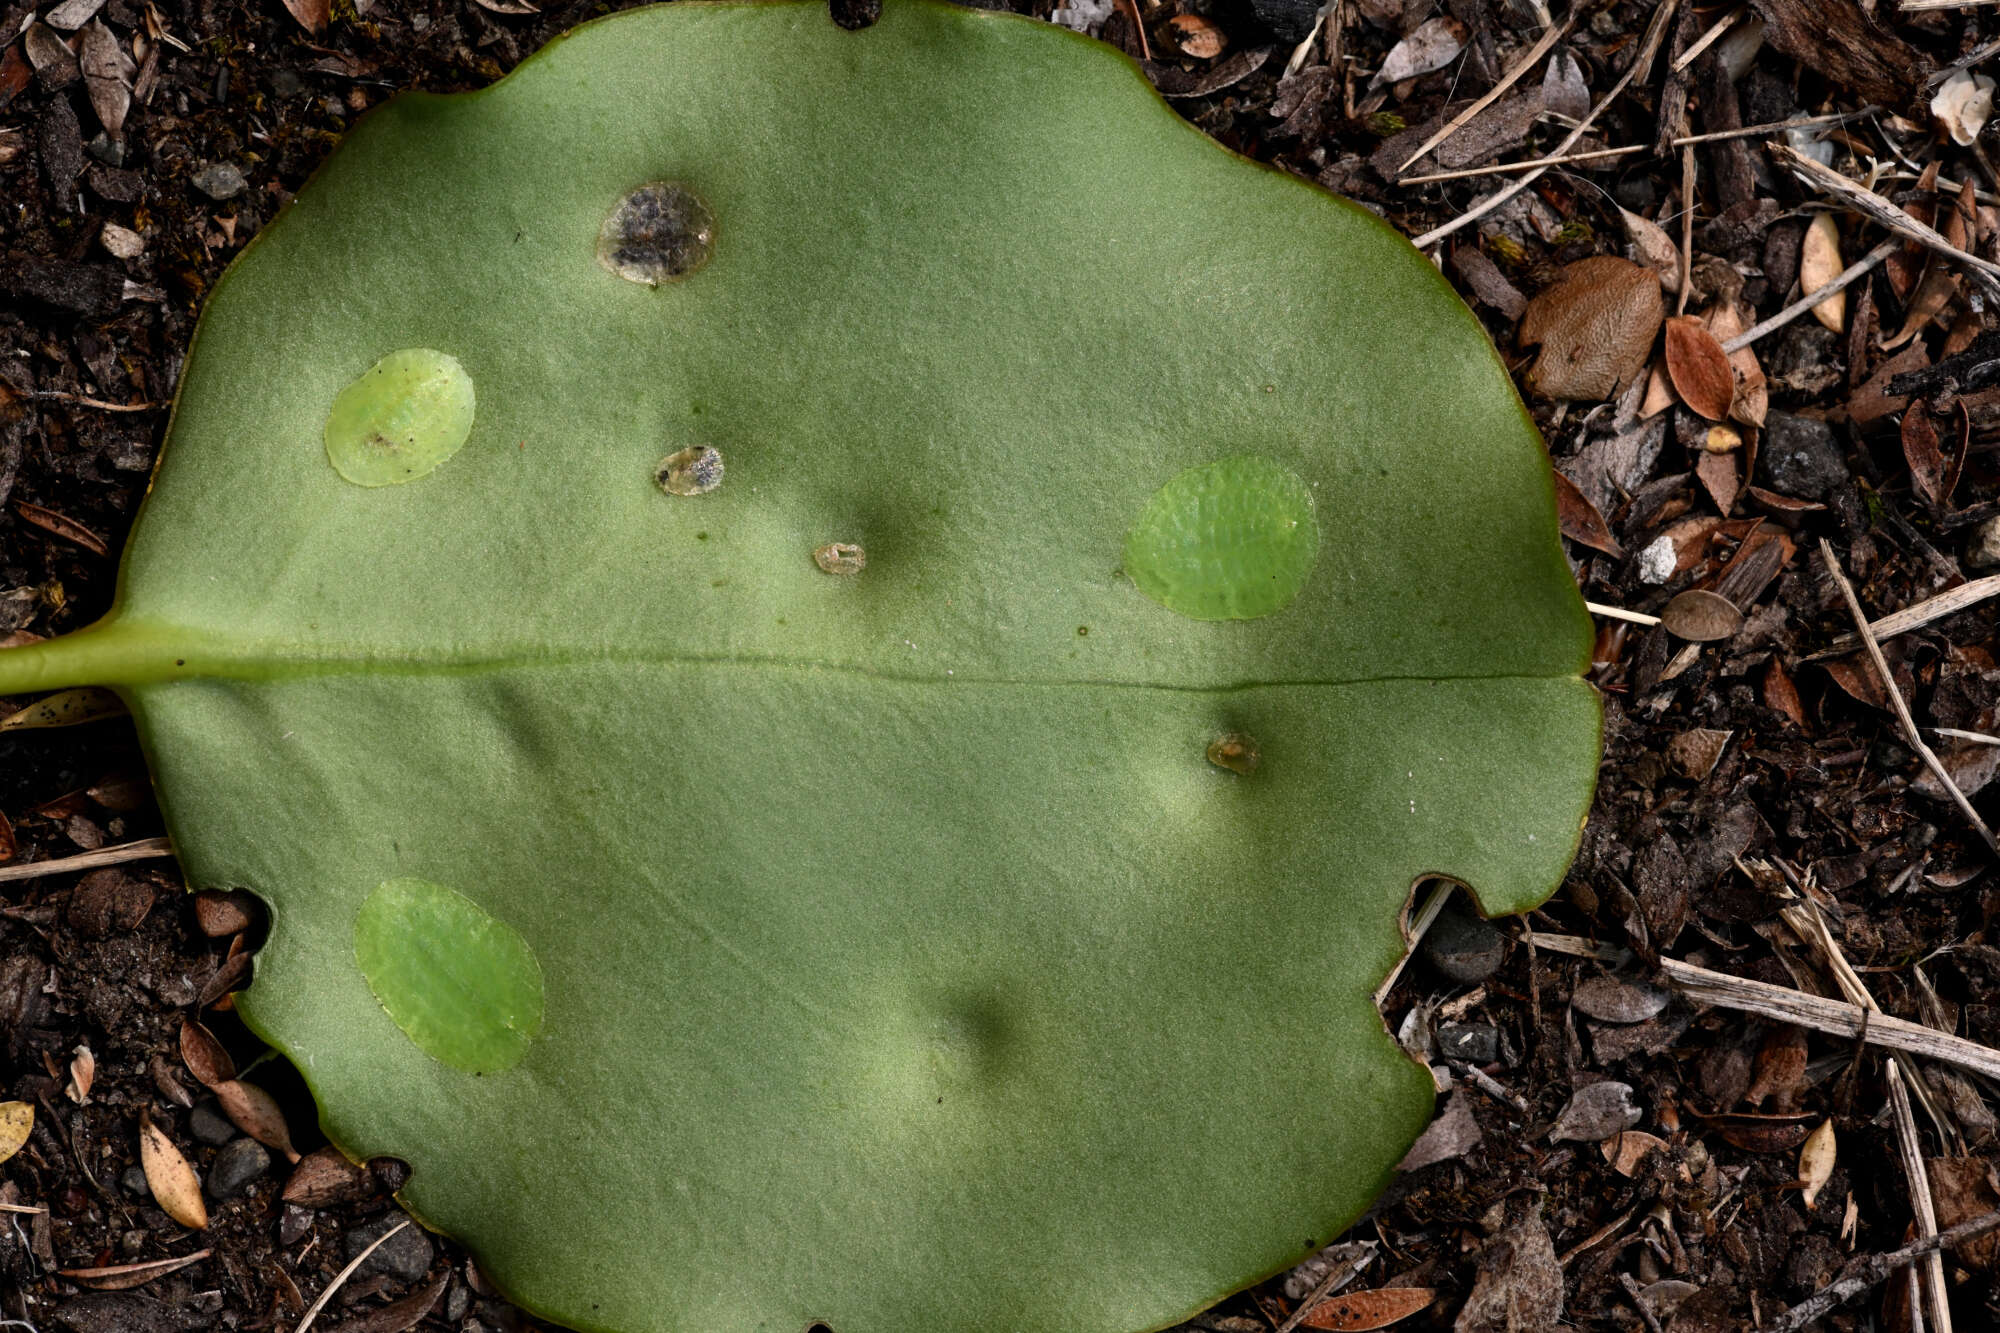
{"x": 460, "y": 982}
{"x": 1232, "y": 540}
{"x": 400, "y": 419}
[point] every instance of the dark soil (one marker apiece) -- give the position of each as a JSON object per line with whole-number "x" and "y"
{"x": 1738, "y": 774}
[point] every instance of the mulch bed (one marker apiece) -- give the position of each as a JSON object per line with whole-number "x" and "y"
{"x": 1609, "y": 1152}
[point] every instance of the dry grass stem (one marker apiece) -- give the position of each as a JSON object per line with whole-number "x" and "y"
{"x": 1420, "y": 924}
{"x": 1783, "y": 1005}
{"x": 1641, "y": 62}
{"x": 345, "y": 1273}
{"x": 1620, "y": 613}
{"x": 146, "y": 849}
{"x": 1507, "y": 80}
{"x": 1710, "y": 38}
{"x": 1846, "y": 278}
{"x": 1871, "y": 205}
{"x": 1910, "y": 732}
{"x": 1947, "y": 603}
{"x": 1865, "y": 1272}
{"x": 1912, "y": 1152}
{"x": 1599, "y": 154}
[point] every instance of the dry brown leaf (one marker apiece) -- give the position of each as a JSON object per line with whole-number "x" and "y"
{"x": 1652, "y": 247}
{"x": 1520, "y": 1284}
{"x": 1196, "y": 36}
{"x": 1628, "y": 1151}
{"x": 1359, "y": 1311}
{"x": 256, "y": 1113}
{"x": 173, "y": 1182}
{"x": 1659, "y": 395}
{"x": 1435, "y": 44}
{"x": 1579, "y": 520}
{"x": 1721, "y": 477}
{"x": 8, "y": 847}
{"x": 1700, "y": 616}
{"x": 204, "y": 1056}
{"x": 397, "y": 1316}
{"x": 82, "y": 1075}
{"x": 121, "y": 1277}
{"x": 1819, "y": 264}
{"x": 1962, "y": 1189}
{"x": 1855, "y": 674}
{"x": 1725, "y": 320}
{"x": 63, "y": 526}
{"x": 107, "y": 76}
{"x": 508, "y": 6}
{"x": 1595, "y": 325}
{"x": 1816, "y": 1158}
{"x": 1921, "y": 452}
{"x": 1694, "y": 753}
{"x": 1781, "y": 695}
{"x": 222, "y": 914}
{"x": 324, "y": 1178}
{"x": 1699, "y": 368}
{"x": 17, "y": 1121}
{"x": 311, "y": 14}
{"x": 1939, "y": 286}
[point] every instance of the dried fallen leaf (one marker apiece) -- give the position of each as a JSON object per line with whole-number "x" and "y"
{"x": 1759, "y": 1133}
{"x": 73, "y": 14}
{"x": 1595, "y": 325}
{"x": 1699, "y": 368}
{"x": 1628, "y": 1151}
{"x": 1358, "y": 1311}
{"x": 1819, "y": 264}
{"x": 173, "y": 1182}
{"x": 82, "y": 1074}
{"x": 311, "y": 14}
{"x": 324, "y": 1178}
{"x": 1816, "y": 1158}
{"x": 1611, "y": 1000}
{"x": 1781, "y": 1069}
{"x": 1652, "y": 247}
{"x": 204, "y": 1056}
{"x": 48, "y": 520}
{"x": 1579, "y": 520}
{"x": 256, "y": 1113}
{"x": 1855, "y": 674}
{"x": 1963, "y": 104}
{"x": 1693, "y": 753}
{"x": 122, "y": 1277}
{"x": 17, "y": 1120}
{"x": 1700, "y": 616}
{"x": 65, "y": 708}
{"x": 107, "y": 76}
{"x": 1520, "y": 1283}
{"x": 1721, "y": 476}
{"x": 1196, "y": 36}
{"x": 1781, "y": 695}
{"x": 1596, "y": 1111}
{"x": 1453, "y": 1134}
{"x": 397, "y": 1316}
{"x": 1939, "y": 286}
{"x": 1921, "y": 452}
{"x": 221, "y": 914}
{"x": 1725, "y": 320}
{"x": 8, "y": 847}
{"x": 1962, "y": 1188}
{"x": 1435, "y": 44}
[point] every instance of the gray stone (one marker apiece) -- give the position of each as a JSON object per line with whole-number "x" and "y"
{"x": 1472, "y": 1043}
{"x": 1800, "y": 457}
{"x": 220, "y": 180}
{"x": 1982, "y": 548}
{"x": 406, "y": 1255}
{"x": 208, "y": 1126}
{"x": 235, "y": 1167}
{"x": 1463, "y": 947}
{"x": 133, "y": 1179}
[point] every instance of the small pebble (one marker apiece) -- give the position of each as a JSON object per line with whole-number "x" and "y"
{"x": 235, "y": 1167}
{"x": 1800, "y": 457}
{"x": 220, "y": 180}
{"x": 1463, "y": 947}
{"x": 293, "y": 1224}
{"x": 208, "y": 1126}
{"x": 1472, "y": 1043}
{"x": 457, "y": 1302}
{"x": 1597, "y": 1111}
{"x": 133, "y": 1179}
{"x": 1657, "y": 561}
{"x": 1982, "y": 548}
{"x": 109, "y": 151}
{"x": 406, "y": 1255}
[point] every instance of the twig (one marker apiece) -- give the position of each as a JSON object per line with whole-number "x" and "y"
{"x": 84, "y": 400}
{"x": 1507, "y": 80}
{"x": 344, "y": 1274}
{"x": 1867, "y": 1271}
{"x": 1918, "y": 6}
{"x": 1784, "y": 1005}
{"x": 1846, "y": 278}
{"x": 1329, "y": 1284}
{"x": 1870, "y": 204}
{"x": 1632, "y": 1290}
{"x": 1687, "y": 229}
{"x": 1746, "y": 132}
{"x": 1963, "y": 63}
{"x": 145, "y": 849}
{"x": 1912, "y": 1152}
{"x": 1947, "y": 603}
{"x": 1420, "y": 924}
{"x": 1709, "y": 38}
{"x": 1642, "y": 61}
{"x": 1976, "y": 737}
{"x": 1620, "y": 613}
{"x": 1330, "y": 11}
{"x": 1910, "y": 732}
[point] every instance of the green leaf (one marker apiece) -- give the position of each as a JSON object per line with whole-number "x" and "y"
{"x": 901, "y": 960}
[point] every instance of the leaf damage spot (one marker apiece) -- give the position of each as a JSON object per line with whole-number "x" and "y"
{"x": 462, "y": 984}
{"x": 1236, "y": 752}
{"x": 400, "y": 419}
{"x": 1232, "y": 540}
{"x": 658, "y": 232}
{"x": 692, "y": 471}
{"x": 841, "y": 558}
